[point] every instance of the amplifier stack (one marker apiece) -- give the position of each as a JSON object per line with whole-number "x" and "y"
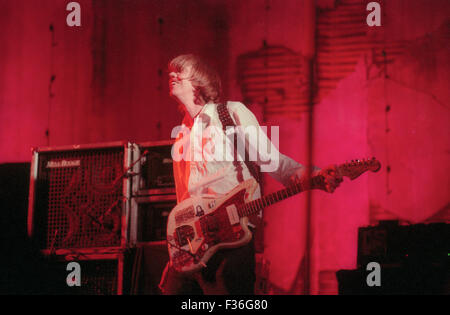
{"x": 104, "y": 206}
{"x": 153, "y": 198}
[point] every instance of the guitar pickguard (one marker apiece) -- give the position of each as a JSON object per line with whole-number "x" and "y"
{"x": 217, "y": 227}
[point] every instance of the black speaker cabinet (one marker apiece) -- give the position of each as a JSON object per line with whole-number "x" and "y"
{"x": 153, "y": 191}
{"x": 391, "y": 243}
{"x": 79, "y": 196}
{"x": 104, "y": 272}
{"x": 152, "y": 215}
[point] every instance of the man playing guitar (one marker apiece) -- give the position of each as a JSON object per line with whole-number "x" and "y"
{"x": 197, "y": 89}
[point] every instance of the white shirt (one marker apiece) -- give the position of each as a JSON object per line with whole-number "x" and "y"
{"x": 199, "y": 176}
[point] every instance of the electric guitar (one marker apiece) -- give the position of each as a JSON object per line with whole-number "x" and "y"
{"x": 200, "y": 226}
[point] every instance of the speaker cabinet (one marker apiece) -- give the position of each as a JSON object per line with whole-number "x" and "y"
{"x": 79, "y": 196}
{"x": 100, "y": 272}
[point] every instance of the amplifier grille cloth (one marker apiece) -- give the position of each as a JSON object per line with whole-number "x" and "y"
{"x": 84, "y": 198}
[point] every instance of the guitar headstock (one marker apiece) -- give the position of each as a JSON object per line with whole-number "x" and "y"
{"x": 355, "y": 168}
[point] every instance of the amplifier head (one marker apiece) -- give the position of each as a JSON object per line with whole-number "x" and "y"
{"x": 156, "y": 167}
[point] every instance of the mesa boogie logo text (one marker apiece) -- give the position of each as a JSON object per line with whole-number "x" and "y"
{"x": 63, "y": 163}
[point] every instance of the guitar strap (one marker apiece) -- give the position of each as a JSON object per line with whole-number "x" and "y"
{"x": 226, "y": 120}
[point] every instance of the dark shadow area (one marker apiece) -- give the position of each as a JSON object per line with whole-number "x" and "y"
{"x": 24, "y": 269}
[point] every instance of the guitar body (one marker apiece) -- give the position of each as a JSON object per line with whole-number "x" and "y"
{"x": 199, "y": 227}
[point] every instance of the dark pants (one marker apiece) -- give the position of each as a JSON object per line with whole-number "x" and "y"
{"x": 238, "y": 274}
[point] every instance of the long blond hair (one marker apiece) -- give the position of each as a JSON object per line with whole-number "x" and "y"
{"x": 205, "y": 79}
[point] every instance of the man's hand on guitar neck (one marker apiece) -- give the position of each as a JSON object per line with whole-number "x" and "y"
{"x": 331, "y": 181}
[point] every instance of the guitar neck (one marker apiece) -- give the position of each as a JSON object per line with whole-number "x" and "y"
{"x": 351, "y": 170}
{"x": 257, "y": 205}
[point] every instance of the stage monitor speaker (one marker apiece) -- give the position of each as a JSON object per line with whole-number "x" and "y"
{"x": 428, "y": 279}
{"x": 79, "y": 196}
{"x": 391, "y": 243}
